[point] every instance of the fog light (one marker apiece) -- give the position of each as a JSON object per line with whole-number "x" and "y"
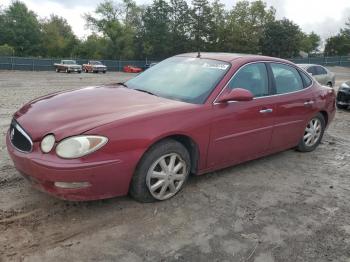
{"x": 72, "y": 185}
{"x": 47, "y": 143}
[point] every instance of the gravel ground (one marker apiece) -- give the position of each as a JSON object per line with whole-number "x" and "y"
{"x": 286, "y": 207}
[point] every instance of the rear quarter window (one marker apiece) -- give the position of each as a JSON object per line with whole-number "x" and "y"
{"x": 306, "y": 80}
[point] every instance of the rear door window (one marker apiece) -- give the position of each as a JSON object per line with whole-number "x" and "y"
{"x": 320, "y": 70}
{"x": 287, "y": 78}
{"x": 312, "y": 70}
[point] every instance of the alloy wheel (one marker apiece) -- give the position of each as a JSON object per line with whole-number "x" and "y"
{"x": 313, "y": 132}
{"x": 166, "y": 176}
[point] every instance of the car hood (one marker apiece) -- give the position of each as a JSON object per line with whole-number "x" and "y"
{"x": 99, "y": 66}
{"x": 75, "y": 112}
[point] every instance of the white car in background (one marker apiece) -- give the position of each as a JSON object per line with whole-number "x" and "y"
{"x": 320, "y": 73}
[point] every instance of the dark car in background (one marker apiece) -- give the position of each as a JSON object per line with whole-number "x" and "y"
{"x": 320, "y": 73}
{"x": 343, "y": 96}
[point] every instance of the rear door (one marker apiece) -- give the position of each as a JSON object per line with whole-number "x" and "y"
{"x": 294, "y": 105}
{"x": 242, "y": 130}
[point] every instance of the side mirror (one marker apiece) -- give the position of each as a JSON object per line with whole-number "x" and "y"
{"x": 237, "y": 94}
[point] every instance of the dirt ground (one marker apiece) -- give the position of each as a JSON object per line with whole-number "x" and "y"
{"x": 286, "y": 207}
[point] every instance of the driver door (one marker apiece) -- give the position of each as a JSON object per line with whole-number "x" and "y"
{"x": 242, "y": 130}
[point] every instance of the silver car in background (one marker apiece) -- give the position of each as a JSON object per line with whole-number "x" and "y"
{"x": 320, "y": 73}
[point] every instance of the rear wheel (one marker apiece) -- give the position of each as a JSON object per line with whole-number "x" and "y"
{"x": 313, "y": 134}
{"x": 161, "y": 173}
{"x": 57, "y": 70}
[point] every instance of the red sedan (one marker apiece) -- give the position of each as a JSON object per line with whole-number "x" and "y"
{"x": 186, "y": 115}
{"x": 132, "y": 69}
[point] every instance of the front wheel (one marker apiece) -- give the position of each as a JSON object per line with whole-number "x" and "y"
{"x": 161, "y": 173}
{"x": 313, "y": 134}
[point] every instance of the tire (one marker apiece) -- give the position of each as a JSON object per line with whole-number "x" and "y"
{"x": 152, "y": 165}
{"x": 310, "y": 142}
{"x": 339, "y": 106}
{"x": 79, "y": 72}
{"x": 104, "y": 72}
{"x": 57, "y": 70}
{"x": 67, "y": 71}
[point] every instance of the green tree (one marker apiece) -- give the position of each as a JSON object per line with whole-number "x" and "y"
{"x": 346, "y": 31}
{"x": 218, "y": 34}
{"x": 201, "y": 24}
{"x": 110, "y": 22}
{"x": 246, "y": 24}
{"x": 6, "y": 50}
{"x": 282, "y": 38}
{"x": 179, "y": 27}
{"x": 21, "y": 29}
{"x": 339, "y": 44}
{"x": 310, "y": 42}
{"x": 94, "y": 47}
{"x": 156, "y": 36}
{"x": 58, "y": 37}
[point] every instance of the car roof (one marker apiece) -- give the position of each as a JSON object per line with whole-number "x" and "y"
{"x": 229, "y": 57}
{"x": 306, "y": 65}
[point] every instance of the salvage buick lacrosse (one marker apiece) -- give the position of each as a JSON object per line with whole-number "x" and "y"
{"x": 190, "y": 114}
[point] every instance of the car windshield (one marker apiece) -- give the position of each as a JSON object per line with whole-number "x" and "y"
{"x": 95, "y": 63}
{"x": 69, "y": 62}
{"x": 186, "y": 79}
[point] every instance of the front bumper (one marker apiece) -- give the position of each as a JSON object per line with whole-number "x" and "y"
{"x": 106, "y": 178}
{"x": 343, "y": 97}
{"x": 99, "y": 69}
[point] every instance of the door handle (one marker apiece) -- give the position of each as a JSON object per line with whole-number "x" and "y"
{"x": 309, "y": 103}
{"x": 265, "y": 111}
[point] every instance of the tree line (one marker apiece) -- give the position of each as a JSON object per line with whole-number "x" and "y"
{"x": 123, "y": 29}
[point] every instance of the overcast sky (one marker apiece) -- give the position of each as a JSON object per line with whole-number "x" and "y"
{"x": 323, "y": 17}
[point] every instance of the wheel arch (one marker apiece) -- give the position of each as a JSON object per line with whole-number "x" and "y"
{"x": 188, "y": 142}
{"x": 325, "y": 116}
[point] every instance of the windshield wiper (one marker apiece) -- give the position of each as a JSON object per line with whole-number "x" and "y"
{"x": 122, "y": 84}
{"x": 145, "y": 91}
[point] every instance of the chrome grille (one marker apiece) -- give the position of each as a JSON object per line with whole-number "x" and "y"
{"x": 19, "y": 138}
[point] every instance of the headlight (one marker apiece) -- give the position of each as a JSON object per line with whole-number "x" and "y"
{"x": 78, "y": 146}
{"x": 47, "y": 143}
